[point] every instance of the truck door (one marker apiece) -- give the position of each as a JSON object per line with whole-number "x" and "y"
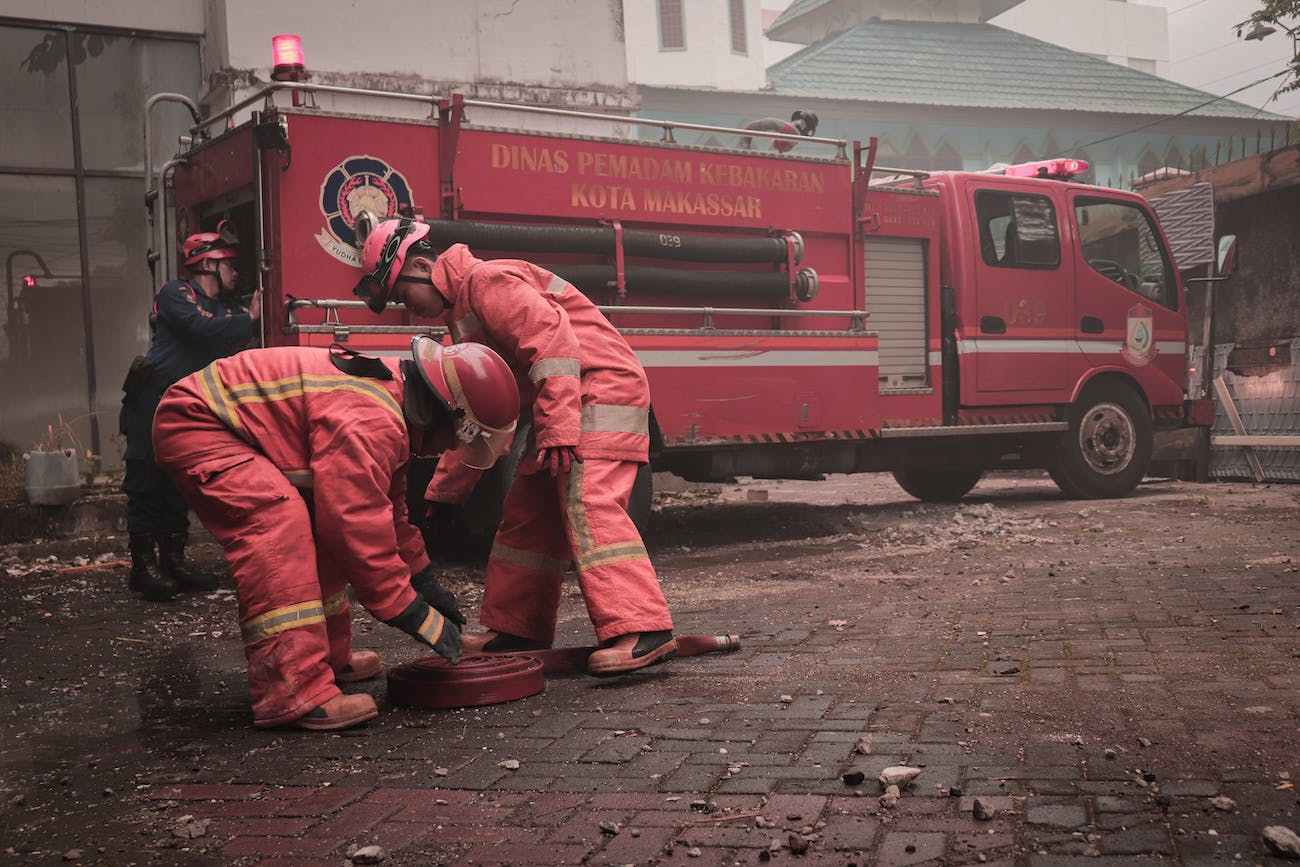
{"x": 1023, "y": 335}
{"x": 1129, "y": 310}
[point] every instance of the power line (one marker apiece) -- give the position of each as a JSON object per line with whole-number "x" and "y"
{"x": 1185, "y": 8}
{"x": 1160, "y": 120}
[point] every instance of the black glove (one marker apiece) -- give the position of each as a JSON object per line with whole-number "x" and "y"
{"x": 425, "y": 582}
{"x": 425, "y": 624}
{"x": 438, "y": 525}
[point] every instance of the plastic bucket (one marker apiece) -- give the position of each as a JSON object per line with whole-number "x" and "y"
{"x": 51, "y": 478}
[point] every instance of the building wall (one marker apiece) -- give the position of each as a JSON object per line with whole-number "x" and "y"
{"x": 708, "y": 60}
{"x": 1258, "y": 305}
{"x": 172, "y": 16}
{"x": 1130, "y": 34}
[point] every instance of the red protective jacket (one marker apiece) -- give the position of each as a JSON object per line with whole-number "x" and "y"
{"x": 583, "y": 383}
{"x": 343, "y": 436}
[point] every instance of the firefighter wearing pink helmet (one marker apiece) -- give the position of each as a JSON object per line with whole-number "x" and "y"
{"x": 295, "y": 460}
{"x": 589, "y": 402}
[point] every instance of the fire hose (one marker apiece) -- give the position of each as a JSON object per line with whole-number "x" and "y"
{"x": 433, "y": 682}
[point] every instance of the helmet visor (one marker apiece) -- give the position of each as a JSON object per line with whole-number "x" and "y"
{"x": 373, "y": 292}
{"x": 484, "y": 445}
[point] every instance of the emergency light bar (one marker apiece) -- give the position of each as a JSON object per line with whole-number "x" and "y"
{"x": 1060, "y": 169}
{"x": 286, "y": 50}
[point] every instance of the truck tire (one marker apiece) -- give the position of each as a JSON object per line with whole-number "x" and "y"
{"x": 1107, "y": 449}
{"x": 938, "y": 484}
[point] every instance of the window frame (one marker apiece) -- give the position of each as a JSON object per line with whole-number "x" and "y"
{"x": 1169, "y": 299}
{"x": 736, "y": 9}
{"x": 663, "y": 6}
{"x": 988, "y": 245}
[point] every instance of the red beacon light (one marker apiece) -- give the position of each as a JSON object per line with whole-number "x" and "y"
{"x": 29, "y": 281}
{"x": 287, "y": 52}
{"x": 1059, "y": 169}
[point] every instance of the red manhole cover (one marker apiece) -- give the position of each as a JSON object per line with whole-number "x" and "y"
{"x": 476, "y": 680}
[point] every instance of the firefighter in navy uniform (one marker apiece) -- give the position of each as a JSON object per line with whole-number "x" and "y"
{"x": 192, "y": 327}
{"x": 295, "y": 460}
{"x": 800, "y": 123}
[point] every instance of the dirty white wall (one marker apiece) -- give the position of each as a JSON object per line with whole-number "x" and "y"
{"x": 708, "y": 60}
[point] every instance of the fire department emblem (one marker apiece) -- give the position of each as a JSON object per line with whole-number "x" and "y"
{"x": 1139, "y": 341}
{"x": 359, "y": 183}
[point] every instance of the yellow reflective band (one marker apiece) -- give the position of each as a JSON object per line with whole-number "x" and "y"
{"x": 554, "y": 367}
{"x": 577, "y": 512}
{"x": 431, "y": 629}
{"x": 621, "y": 552}
{"x": 336, "y": 604}
{"x": 610, "y": 418}
{"x": 464, "y": 327}
{"x": 282, "y": 619}
{"x": 528, "y": 560}
{"x": 214, "y": 392}
{"x": 265, "y": 391}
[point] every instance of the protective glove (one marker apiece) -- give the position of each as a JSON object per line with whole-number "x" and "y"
{"x": 558, "y": 459}
{"x": 425, "y": 582}
{"x": 425, "y": 624}
{"x": 438, "y": 525}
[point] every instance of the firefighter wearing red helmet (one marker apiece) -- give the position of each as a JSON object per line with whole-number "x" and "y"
{"x": 192, "y": 326}
{"x": 589, "y": 402}
{"x": 295, "y": 460}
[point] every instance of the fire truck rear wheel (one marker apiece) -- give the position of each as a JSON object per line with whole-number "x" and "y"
{"x": 938, "y": 484}
{"x": 1107, "y": 449}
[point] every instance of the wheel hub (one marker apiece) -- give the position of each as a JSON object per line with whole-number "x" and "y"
{"x": 1107, "y": 439}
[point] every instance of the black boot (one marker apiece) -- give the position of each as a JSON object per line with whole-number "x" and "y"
{"x": 145, "y": 578}
{"x": 171, "y": 562}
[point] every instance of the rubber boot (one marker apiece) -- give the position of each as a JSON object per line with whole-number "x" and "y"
{"x": 633, "y": 651}
{"x": 171, "y": 562}
{"x": 145, "y": 578}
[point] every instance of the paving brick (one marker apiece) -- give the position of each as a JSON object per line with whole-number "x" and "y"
{"x": 900, "y": 848}
{"x": 1149, "y": 840}
{"x": 253, "y": 827}
{"x": 206, "y": 792}
{"x": 272, "y": 847}
{"x": 418, "y": 796}
{"x": 625, "y": 848}
{"x": 850, "y": 832}
{"x": 524, "y": 853}
{"x": 397, "y": 836}
{"x": 1062, "y": 814}
{"x": 355, "y": 819}
{"x": 325, "y": 800}
{"x": 252, "y": 809}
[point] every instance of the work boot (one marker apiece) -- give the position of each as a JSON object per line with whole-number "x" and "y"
{"x": 363, "y": 665}
{"x": 492, "y": 641}
{"x": 145, "y": 578}
{"x": 171, "y": 562}
{"x": 340, "y": 712}
{"x": 632, "y": 651}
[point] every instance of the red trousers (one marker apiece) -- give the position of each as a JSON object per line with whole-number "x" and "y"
{"x": 293, "y": 605}
{"x": 579, "y": 518}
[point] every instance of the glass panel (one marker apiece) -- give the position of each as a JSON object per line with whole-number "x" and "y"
{"x": 121, "y": 295}
{"x": 672, "y": 27}
{"x": 738, "y": 41}
{"x": 113, "y": 84}
{"x": 38, "y": 121}
{"x": 43, "y": 346}
{"x": 1120, "y": 242}
{"x": 1017, "y": 231}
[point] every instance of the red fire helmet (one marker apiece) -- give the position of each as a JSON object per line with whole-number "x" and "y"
{"x": 383, "y": 256}
{"x": 221, "y": 244}
{"x": 477, "y": 385}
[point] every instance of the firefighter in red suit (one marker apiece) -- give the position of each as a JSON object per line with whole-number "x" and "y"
{"x": 295, "y": 460}
{"x": 589, "y": 403}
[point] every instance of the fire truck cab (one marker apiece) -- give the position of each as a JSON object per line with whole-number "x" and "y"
{"x": 797, "y": 313}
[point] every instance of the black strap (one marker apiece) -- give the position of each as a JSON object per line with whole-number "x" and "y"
{"x": 354, "y": 363}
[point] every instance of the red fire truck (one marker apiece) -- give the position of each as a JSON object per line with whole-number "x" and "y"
{"x": 797, "y": 313}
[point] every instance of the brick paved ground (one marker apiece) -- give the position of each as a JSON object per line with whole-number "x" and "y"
{"x": 1094, "y": 673}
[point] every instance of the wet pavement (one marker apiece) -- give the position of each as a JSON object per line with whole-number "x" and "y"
{"x": 1113, "y": 682}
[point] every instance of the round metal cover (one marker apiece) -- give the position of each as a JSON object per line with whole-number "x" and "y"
{"x": 475, "y": 680}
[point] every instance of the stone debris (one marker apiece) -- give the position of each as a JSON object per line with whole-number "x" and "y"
{"x": 1282, "y": 841}
{"x": 368, "y": 855}
{"x": 610, "y": 828}
{"x": 898, "y": 775}
{"x": 863, "y": 746}
{"x": 853, "y": 778}
{"x": 72, "y": 855}
{"x": 189, "y": 828}
{"x": 798, "y": 843}
{"x": 981, "y": 810}
{"x": 1224, "y": 803}
{"x": 891, "y": 796}
{"x": 694, "y": 852}
{"x": 509, "y": 764}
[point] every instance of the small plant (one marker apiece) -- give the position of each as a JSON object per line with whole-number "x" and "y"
{"x": 58, "y": 438}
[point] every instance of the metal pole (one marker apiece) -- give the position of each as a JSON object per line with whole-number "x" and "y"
{"x": 87, "y": 308}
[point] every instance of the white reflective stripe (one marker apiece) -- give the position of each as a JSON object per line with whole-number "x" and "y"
{"x": 1048, "y": 347}
{"x": 609, "y": 418}
{"x": 934, "y": 359}
{"x": 758, "y": 358}
{"x": 557, "y": 285}
{"x": 466, "y": 326}
{"x": 554, "y": 367}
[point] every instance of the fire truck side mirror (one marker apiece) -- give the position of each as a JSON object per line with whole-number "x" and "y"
{"x": 1227, "y": 260}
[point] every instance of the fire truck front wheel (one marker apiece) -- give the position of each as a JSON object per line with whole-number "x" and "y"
{"x": 1107, "y": 449}
{"x": 938, "y": 484}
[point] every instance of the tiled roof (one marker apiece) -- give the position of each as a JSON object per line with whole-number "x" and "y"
{"x": 794, "y": 10}
{"x": 981, "y": 66}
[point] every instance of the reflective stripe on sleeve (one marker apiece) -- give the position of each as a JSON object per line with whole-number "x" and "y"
{"x": 621, "y": 552}
{"x": 431, "y": 629}
{"x": 279, "y": 620}
{"x": 555, "y": 367}
{"x": 609, "y": 418}
{"x": 214, "y": 392}
{"x": 557, "y": 285}
{"x": 465, "y": 327}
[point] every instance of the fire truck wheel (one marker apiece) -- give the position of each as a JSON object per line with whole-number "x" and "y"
{"x": 1107, "y": 449}
{"x": 938, "y": 484}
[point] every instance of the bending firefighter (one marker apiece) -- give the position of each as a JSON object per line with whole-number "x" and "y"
{"x": 192, "y": 327}
{"x": 589, "y": 404}
{"x": 295, "y": 460}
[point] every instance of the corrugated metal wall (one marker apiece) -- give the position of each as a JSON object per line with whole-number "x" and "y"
{"x": 1268, "y": 404}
